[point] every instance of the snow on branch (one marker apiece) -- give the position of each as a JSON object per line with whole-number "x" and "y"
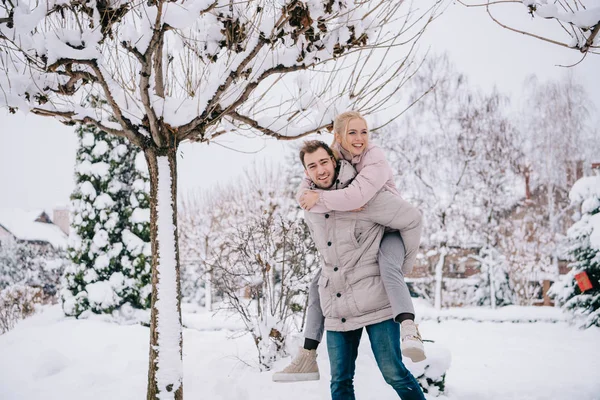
{"x": 185, "y": 70}
{"x": 578, "y": 19}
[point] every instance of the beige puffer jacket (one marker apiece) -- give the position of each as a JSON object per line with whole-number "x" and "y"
{"x": 350, "y": 287}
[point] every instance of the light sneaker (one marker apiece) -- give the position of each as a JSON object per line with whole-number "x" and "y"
{"x": 412, "y": 345}
{"x": 304, "y": 367}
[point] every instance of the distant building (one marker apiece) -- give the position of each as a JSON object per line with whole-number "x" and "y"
{"x": 35, "y": 227}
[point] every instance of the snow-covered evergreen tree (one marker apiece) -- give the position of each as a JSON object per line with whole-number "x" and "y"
{"x": 584, "y": 249}
{"x": 110, "y": 243}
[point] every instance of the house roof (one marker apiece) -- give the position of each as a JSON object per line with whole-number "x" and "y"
{"x": 24, "y": 225}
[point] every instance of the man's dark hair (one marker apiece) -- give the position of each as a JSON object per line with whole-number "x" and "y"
{"x": 310, "y": 146}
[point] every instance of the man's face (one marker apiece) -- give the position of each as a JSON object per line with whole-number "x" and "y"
{"x": 320, "y": 168}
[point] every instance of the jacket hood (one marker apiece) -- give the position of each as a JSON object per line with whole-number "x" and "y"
{"x": 346, "y": 175}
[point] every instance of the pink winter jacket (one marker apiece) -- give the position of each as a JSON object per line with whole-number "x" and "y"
{"x": 374, "y": 173}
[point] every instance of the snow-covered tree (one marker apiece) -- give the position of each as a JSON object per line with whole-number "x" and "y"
{"x": 260, "y": 256}
{"x": 267, "y": 266}
{"x": 584, "y": 249}
{"x": 576, "y": 22}
{"x": 528, "y": 244}
{"x": 197, "y": 228}
{"x": 554, "y": 125}
{"x": 452, "y": 152}
{"x": 161, "y": 72}
{"x": 110, "y": 242}
{"x": 493, "y": 284}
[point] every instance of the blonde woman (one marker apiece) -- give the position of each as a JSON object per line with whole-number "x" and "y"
{"x": 397, "y": 252}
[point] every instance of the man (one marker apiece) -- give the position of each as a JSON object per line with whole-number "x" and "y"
{"x": 351, "y": 291}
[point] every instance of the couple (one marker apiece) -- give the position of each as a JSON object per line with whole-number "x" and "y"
{"x": 361, "y": 283}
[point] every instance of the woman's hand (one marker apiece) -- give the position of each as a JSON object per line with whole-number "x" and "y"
{"x": 309, "y": 199}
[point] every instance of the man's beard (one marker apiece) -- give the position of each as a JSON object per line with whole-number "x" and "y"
{"x": 335, "y": 175}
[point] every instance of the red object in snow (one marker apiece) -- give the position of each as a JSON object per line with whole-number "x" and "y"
{"x": 583, "y": 281}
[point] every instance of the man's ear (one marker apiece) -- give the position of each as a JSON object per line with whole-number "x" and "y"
{"x": 306, "y": 173}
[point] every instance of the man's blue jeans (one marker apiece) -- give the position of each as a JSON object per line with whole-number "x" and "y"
{"x": 385, "y": 342}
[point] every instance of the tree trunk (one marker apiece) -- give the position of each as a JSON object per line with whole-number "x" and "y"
{"x": 165, "y": 371}
{"x": 527, "y": 175}
{"x": 208, "y": 283}
{"x": 208, "y": 290}
{"x": 439, "y": 274}
{"x": 491, "y": 274}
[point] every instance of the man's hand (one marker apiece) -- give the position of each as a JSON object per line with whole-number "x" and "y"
{"x": 309, "y": 199}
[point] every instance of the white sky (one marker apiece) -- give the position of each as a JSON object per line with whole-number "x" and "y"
{"x": 37, "y": 154}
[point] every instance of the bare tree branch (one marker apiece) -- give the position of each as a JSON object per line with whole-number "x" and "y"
{"x": 67, "y": 117}
{"x": 255, "y": 125}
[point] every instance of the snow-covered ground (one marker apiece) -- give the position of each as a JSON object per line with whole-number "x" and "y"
{"x": 49, "y": 356}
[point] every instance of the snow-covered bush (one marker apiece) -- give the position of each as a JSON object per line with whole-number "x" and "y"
{"x": 30, "y": 264}
{"x": 493, "y": 285}
{"x": 17, "y": 302}
{"x": 266, "y": 270}
{"x": 264, "y": 258}
{"x": 110, "y": 244}
{"x": 431, "y": 373}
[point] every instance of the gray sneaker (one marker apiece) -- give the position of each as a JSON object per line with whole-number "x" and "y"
{"x": 304, "y": 367}
{"x": 412, "y": 345}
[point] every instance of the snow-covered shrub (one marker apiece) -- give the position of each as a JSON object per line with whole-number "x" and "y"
{"x": 266, "y": 265}
{"x": 431, "y": 373}
{"x": 110, "y": 245}
{"x": 30, "y": 264}
{"x": 493, "y": 286}
{"x": 262, "y": 257}
{"x": 16, "y": 303}
{"x": 458, "y": 292}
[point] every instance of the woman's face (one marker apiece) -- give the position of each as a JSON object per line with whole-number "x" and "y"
{"x": 357, "y": 137}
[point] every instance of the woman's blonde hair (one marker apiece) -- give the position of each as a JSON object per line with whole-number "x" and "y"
{"x": 340, "y": 125}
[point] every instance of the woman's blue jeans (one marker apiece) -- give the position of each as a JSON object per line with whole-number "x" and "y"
{"x": 385, "y": 342}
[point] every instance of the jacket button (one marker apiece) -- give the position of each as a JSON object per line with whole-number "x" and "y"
{"x": 328, "y": 243}
{"x": 343, "y": 319}
{"x": 339, "y": 295}
{"x": 326, "y": 215}
{"x": 335, "y": 268}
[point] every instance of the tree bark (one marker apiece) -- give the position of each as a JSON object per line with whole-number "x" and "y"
{"x": 165, "y": 257}
{"x": 439, "y": 276}
{"x": 527, "y": 175}
{"x": 492, "y": 285}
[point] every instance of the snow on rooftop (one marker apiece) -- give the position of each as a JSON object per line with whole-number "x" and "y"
{"x": 23, "y": 226}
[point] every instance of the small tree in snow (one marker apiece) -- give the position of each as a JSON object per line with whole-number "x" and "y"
{"x": 584, "y": 249}
{"x": 161, "y": 72}
{"x": 266, "y": 267}
{"x": 202, "y": 218}
{"x": 264, "y": 257}
{"x": 110, "y": 243}
{"x": 493, "y": 287}
{"x": 528, "y": 245}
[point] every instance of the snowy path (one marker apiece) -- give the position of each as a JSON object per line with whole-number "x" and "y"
{"x": 50, "y": 357}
